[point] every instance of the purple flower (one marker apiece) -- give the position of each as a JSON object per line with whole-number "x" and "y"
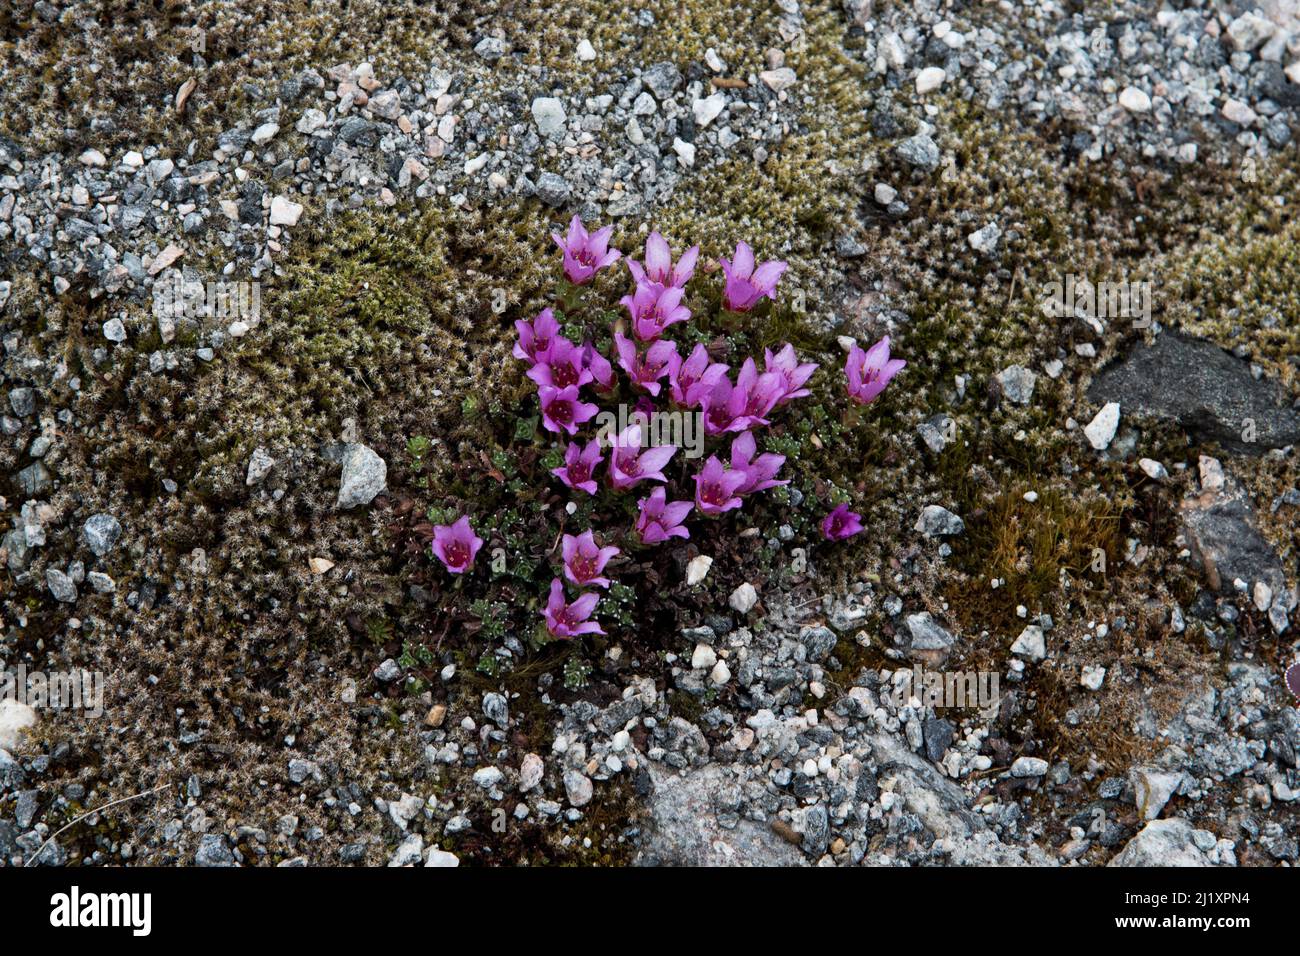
{"x": 570, "y": 620}
{"x": 661, "y": 519}
{"x": 762, "y": 392}
{"x": 579, "y": 469}
{"x": 659, "y": 263}
{"x": 660, "y": 359}
{"x": 724, "y": 408}
{"x": 562, "y": 410}
{"x": 584, "y": 560}
{"x": 585, "y": 255}
{"x": 715, "y": 488}
{"x": 785, "y": 363}
{"x": 746, "y": 286}
{"x": 841, "y": 523}
{"x": 628, "y": 464}
{"x": 870, "y": 371}
{"x": 535, "y": 337}
{"x": 602, "y": 373}
{"x": 455, "y": 545}
{"x": 562, "y": 365}
{"x": 759, "y": 472}
{"x": 653, "y": 308}
{"x": 696, "y": 377}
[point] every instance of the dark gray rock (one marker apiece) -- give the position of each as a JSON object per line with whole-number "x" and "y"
{"x": 1211, "y": 394}
{"x": 1225, "y": 541}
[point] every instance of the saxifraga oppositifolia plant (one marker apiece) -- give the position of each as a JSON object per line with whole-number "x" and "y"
{"x": 574, "y": 379}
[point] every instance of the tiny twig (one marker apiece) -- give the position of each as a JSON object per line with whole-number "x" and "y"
{"x": 54, "y": 836}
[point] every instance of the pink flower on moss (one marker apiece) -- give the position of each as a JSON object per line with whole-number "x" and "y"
{"x": 785, "y": 363}
{"x": 716, "y": 488}
{"x": 584, "y": 559}
{"x": 579, "y": 469}
{"x": 724, "y": 408}
{"x": 747, "y": 286}
{"x": 653, "y": 308}
{"x": 570, "y": 620}
{"x": 563, "y": 410}
{"x": 762, "y": 392}
{"x": 695, "y": 377}
{"x": 870, "y": 371}
{"x": 646, "y": 369}
{"x": 661, "y": 519}
{"x": 628, "y": 464}
{"x": 562, "y": 365}
{"x": 659, "y": 263}
{"x": 585, "y": 254}
{"x": 841, "y": 523}
{"x": 759, "y": 472}
{"x": 456, "y": 545}
{"x": 535, "y": 337}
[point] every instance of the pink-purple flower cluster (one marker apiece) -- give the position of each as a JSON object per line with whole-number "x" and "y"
{"x": 732, "y": 406}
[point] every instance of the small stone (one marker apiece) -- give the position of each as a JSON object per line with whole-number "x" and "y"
{"x": 488, "y": 777}
{"x": 319, "y": 565}
{"x": 436, "y": 715}
{"x": 1153, "y": 469}
{"x": 984, "y": 241}
{"x": 1092, "y": 676}
{"x": 264, "y": 134}
{"x": 1235, "y": 111}
{"x": 441, "y": 858}
{"x": 778, "y": 80}
{"x": 586, "y": 52}
{"x": 1262, "y": 595}
{"x": 930, "y": 79}
{"x": 578, "y": 788}
{"x": 310, "y": 121}
{"x": 1101, "y": 430}
{"x": 365, "y": 475}
{"x": 285, "y": 212}
{"x": 16, "y": 721}
{"x": 260, "y": 464}
{"x": 885, "y": 193}
{"x": 720, "y": 674}
{"x": 61, "y": 586}
{"x": 697, "y": 569}
{"x": 1250, "y": 30}
{"x": 492, "y": 48}
{"x": 685, "y": 151}
{"x": 115, "y": 331}
{"x": 1030, "y": 644}
{"x": 743, "y": 598}
{"x": 531, "y": 769}
{"x": 1134, "y": 100}
{"x": 1212, "y": 476}
{"x": 1028, "y": 767}
{"x": 92, "y": 157}
{"x": 388, "y": 671}
{"x": 549, "y": 115}
{"x": 22, "y": 401}
{"x": 706, "y": 110}
{"x": 101, "y": 532}
{"x": 704, "y": 657}
{"x": 662, "y": 79}
{"x": 1017, "y": 383}
{"x": 552, "y": 189}
{"x": 101, "y": 582}
{"x": 496, "y": 709}
{"x": 937, "y": 521}
{"x": 919, "y": 151}
{"x": 1152, "y": 788}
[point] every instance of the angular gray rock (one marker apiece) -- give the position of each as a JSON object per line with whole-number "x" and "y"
{"x": 101, "y": 532}
{"x": 683, "y": 828}
{"x": 1211, "y": 394}
{"x": 364, "y": 476}
{"x": 1161, "y": 843}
